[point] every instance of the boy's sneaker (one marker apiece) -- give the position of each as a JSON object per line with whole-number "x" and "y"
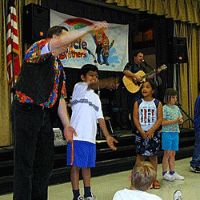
{"x": 195, "y": 169}
{"x": 177, "y": 195}
{"x": 90, "y": 198}
{"x": 79, "y": 198}
{"x": 177, "y": 176}
{"x": 168, "y": 177}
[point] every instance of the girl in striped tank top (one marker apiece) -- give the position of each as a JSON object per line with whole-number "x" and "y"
{"x": 147, "y": 116}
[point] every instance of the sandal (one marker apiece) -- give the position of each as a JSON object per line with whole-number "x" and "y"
{"x": 156, "y": 184}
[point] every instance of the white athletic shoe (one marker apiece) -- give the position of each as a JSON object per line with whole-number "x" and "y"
{"x": 168, "y": 177}
{"x": 90, "y": 198}
{"x": 79, "y": 198}
{"x": 177, "y": 176}
{"x": 177, "y": 195}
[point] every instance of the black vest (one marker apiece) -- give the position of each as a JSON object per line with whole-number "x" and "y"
{"x": 36, "y": 80}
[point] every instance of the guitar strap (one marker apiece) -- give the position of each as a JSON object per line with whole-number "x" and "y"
{"x": 158, "y": 80}
{"x": 148, "y": 68}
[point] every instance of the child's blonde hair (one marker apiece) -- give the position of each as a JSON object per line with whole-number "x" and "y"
{"x": 169, "y": 93}
{"x": 143, "y": 176}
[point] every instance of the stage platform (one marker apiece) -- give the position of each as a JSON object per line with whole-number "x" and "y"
{"x": 108, "y": 161}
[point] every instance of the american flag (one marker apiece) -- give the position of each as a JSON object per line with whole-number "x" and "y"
{"x": 13, "y": 51}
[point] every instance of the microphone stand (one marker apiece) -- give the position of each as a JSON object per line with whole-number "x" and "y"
{"x": 186, "y": 114}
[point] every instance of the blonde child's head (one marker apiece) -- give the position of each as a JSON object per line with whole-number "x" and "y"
{"x": 170, "y": 96}
{"x": 143, "y": 176}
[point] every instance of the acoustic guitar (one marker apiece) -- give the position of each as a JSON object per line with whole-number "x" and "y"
{"x": 134, "y": 86}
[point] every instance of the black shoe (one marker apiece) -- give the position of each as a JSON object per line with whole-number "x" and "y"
{"x": 195, "y": 169}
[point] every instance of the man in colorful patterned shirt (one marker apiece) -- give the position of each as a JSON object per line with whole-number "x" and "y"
{"x": 39, "y": 90}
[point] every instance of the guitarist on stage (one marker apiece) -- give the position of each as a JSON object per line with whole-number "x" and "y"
{"x": 130, "y": 71}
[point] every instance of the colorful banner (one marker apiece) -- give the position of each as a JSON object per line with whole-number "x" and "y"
{"x": 107, "y": 49}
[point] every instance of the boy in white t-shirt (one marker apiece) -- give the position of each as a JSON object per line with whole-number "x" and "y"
{"x": 86, "y": 111}
{"x": 142, "y": 178}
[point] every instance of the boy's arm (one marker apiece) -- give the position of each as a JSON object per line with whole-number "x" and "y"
{"x": 136, "y": 120}
{"x": 64, "y": 117}
{"x": 110, "y": 140}
{"x": 108, "y": 83}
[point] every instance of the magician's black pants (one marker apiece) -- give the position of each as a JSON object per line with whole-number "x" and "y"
{"x": 33, "y": 151}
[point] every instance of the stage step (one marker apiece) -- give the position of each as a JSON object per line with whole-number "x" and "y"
{"x": 108, "y": 161}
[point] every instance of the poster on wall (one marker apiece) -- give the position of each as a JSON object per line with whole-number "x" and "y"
{"x": 107, "y": 49}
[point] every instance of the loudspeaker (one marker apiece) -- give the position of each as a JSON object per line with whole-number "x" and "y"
{"x": 36, "y": 22}
{"x": 178, "y": 50}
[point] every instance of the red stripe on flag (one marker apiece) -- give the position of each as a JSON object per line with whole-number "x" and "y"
{"x": 13, "y": 53}
{"x": 9, "y": 25}
{"x": 15, "y": 47}
{"x": 9, "y": 41}
{"x": 9, "y": 59}
{"x": 15, "y": 31}
{"x": 13, "y": 17}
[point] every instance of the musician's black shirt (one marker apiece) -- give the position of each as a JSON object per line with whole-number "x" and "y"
{"x": 134, "y": 68}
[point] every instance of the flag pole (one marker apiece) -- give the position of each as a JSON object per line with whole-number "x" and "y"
{"x": 13, "y": 52}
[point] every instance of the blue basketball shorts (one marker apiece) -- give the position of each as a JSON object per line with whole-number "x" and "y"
{"x": 84, "y": 154}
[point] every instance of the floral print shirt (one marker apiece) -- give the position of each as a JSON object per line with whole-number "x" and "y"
{"x": 39, "y": 52}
